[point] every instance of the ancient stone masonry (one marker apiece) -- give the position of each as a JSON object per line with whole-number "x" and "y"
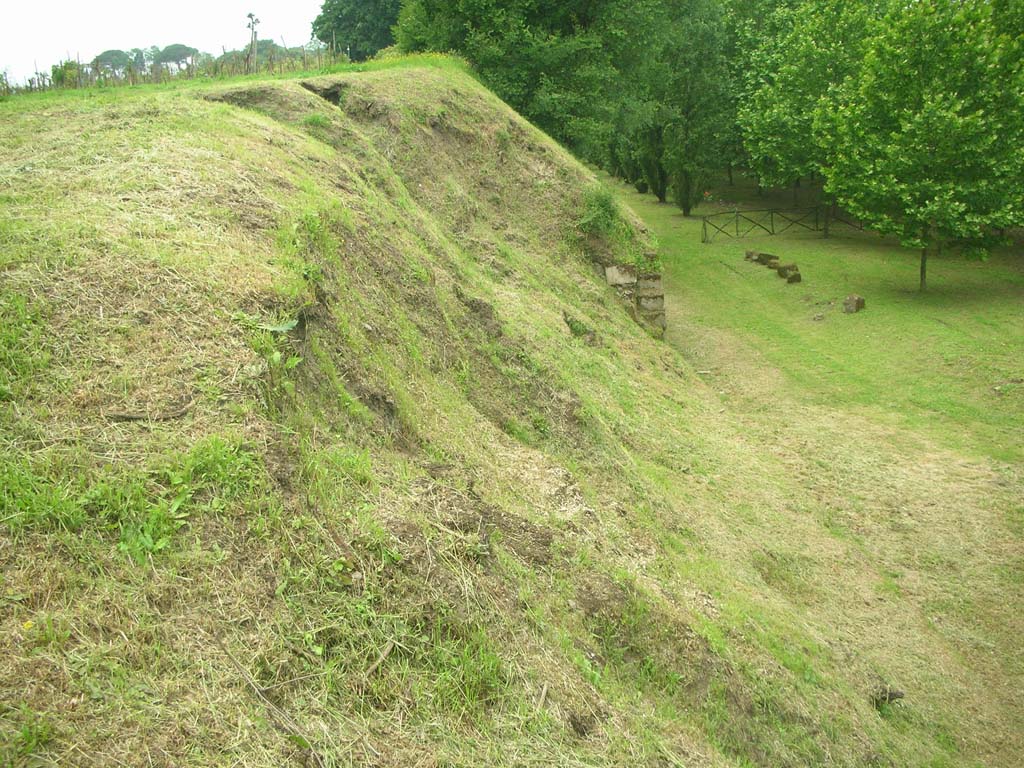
{"x": 642, "y": 292}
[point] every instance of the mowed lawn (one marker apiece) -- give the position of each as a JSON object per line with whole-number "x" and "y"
{"x": 948, "y": 364}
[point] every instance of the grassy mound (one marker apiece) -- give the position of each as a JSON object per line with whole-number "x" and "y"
{"x": 323, "y": 442}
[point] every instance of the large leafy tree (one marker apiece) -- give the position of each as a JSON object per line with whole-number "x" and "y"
{"x": 749, "y": 25}
{"x": 925, "y": 140}
{"x": 697, "y": 97}
{"x": 361, "y": 27}
{"x": 815, "y": 45}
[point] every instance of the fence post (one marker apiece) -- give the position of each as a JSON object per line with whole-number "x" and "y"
{"x": 704, "y": 230}
{"x": 771, "y": 219}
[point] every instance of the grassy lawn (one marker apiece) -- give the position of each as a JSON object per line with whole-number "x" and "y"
{"x": 946, "y": 363}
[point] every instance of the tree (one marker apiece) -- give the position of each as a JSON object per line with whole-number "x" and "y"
{"x": 672, "y": 94}
{"x": 64, "y": 75}
{"x": 251, "y": 60}
{"x": 816, "y": 46}
{"x": 112, "y": 62}
{"x": 550, "y": 61}
{"x": 177, "y": 54}
{"x": 698, "y": 95}
{"x": 359, "y": 28}
{"x": 749, "y": 24}
{"x": 924, "y": 141}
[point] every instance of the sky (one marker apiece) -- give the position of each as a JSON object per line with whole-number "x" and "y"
{"x": 32, "y": 35}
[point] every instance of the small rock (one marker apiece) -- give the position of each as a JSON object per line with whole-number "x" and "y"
{"x": 773, "y": 264}
{"x": 884, "y": 695}
{"x": 764, "y": 258}
{"x": 819, "y": 317}
{"x": 794, "y": 277}
{"x": 752, "y": 255}
{"x": 853, "y": 303}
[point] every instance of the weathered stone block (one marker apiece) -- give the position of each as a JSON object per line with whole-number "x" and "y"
{"x": 853, "y": 303}
{"x": 656, "y": 319}
{"x": 620, "y": 274}
{"x": 794, "y": 277}
{"x": 649, "y": 285}
{"x": 785, "y": 270}
{"x": 651, "y": 302}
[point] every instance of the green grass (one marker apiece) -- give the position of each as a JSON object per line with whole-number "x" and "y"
{"x": 946, "y": 364}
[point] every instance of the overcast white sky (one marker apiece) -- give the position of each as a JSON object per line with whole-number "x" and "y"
{"x": 46, "y": 33}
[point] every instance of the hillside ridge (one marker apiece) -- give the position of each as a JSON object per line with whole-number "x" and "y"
{"x": 330, "y": 437}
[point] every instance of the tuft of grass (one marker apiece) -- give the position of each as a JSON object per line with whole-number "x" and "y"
{"x": 603, "y": 219}
{"x": 21, "y": 354}
{"x": 23, "y": 735}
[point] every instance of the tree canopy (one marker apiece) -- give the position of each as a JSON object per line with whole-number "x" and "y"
{"x": 359, "y": 27}
{"x": 113, "y": 60}
{"x": 176, "y": 53}
{"x": 924, "y": 140}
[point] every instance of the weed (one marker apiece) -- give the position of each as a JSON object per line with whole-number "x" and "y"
{"x": 32, "y": 500}
{"x": 21, "y": 354}
{"x": 602, "y": 219}
{"x": 24, "y": 734}
{"x": 316, "y": 121}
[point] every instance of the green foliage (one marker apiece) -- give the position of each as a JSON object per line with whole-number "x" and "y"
{"x": 177, "y": 53}
{"x": 924, "y": 141}
{"x": 359, "y": 28}
{"x": 66, "y": 74}
{"x": 549, "y": 61}
{"x": 601, "y": 215}
{"x": 602, "y": 220}
{"x": 816, "y": 45}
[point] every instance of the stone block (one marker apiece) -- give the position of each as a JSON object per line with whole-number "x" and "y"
{"x": 853, "y": 303}
{"x": 620, "y": 274}
{"x": 785, "y": 270}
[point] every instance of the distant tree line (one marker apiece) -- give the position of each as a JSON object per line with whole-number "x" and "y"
{"x": 154, "y": 65}
{"x": 907, "y": 113}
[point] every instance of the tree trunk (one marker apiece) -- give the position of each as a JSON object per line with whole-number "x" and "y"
{"x": 729, "y": 169}
{"x": 686, "y": 193}
{"x": 924, "y": 269}
{"x": 828, "y": 216}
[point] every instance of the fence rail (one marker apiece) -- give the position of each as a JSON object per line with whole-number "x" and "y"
{"x": 772, "y": 221}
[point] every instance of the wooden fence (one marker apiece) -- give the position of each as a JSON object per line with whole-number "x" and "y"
{"x": 771, "y": 221}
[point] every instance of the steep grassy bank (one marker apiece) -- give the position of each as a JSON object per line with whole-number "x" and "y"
{"x": 323, "y": 442}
